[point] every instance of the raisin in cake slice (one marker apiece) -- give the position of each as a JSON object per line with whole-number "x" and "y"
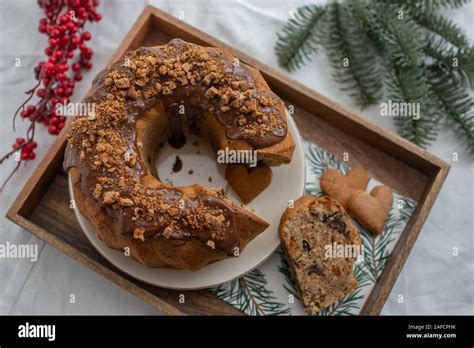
{"x": 307, "y": 231}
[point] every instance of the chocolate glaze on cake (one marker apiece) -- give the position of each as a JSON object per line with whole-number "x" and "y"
{"x": 103, "y": 147}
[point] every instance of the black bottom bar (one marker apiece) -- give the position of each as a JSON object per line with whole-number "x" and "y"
{"x": 158, "y": 330}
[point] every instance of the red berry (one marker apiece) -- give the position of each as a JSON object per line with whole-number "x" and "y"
{"x": 64, "y": 100}
{"x": 65, "y": 39}
{"x": 52, "y": 130}
{"x": 98, "y": 17}
{"x": 63, "y": 67}
{"x": 33, "y": 144}
{"x": 82, "y": 47}
{"x": 78, "y": 77}
{"x": 46, "y": 81}
{"x": 70, "y": 26}
{"x": 62, "y": 28}
{"x": 86, "y": 36}
{"x": 88, "y": 53}
{"x": 76, "y": 67}
{"x": 20, "y": 141}
{"x": 48, "y": 51}
{"x": 53, "y": 121}
{"x": 64, "y": 19}
{"x": 61, "y": 76}
{"x": 15, "y": 146}
{"x": 24, "y": 156}
{"x": 41, "y": 92}
{"x": 76, "y": 40}
{"x": 48, "y": 73}
{"x": 68, "y": 92}
{"x": 54, "y": 101}
{"x": 69, "y": 54}
{"x": 31, "y": 155}
{"x": 43, "y": 21}
{"x": 49, "y": 65}
{"x": 30, "y": 109}
{"x": 60, "y": 126}
{"x": 58, "y": 54}
{"x": 27, "y": 148}
{"x": 42, "y": 28}
{"x": 59, "y": 92}
{"x": 23, "y": 114}
{"x": 55, "y": 33}
{"x": 53, "y": 42}
{"x": 88, "y": 64}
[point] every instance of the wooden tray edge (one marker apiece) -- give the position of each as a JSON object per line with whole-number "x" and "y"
{"x": 44, "y": 171}
{"x": 400, "y": 253}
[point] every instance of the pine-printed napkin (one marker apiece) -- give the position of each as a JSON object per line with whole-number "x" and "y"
{"x": 270, "y": 289}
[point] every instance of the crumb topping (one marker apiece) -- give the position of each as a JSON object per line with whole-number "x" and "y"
{"x": 101, "y": 142}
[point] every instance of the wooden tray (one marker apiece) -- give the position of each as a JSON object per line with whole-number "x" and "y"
{"x": 42, "y": 207}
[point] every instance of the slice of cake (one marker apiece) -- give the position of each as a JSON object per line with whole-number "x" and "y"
{"x": 321, "y": 245}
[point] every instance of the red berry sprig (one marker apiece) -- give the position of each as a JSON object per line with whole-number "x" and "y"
{"x": 26, "y": 149}
{"x": 67, "y": 55}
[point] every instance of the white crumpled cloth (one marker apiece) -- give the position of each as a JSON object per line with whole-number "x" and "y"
{"x": 433, "y": 281}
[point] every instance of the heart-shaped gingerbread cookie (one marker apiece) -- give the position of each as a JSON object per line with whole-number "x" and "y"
{"x": 371, "y": 210}
{"x": 248, "y": 183}
{"x": 341, "y": 187}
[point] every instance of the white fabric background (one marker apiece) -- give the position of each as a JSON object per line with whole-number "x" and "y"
{"x": 433, "y": 281}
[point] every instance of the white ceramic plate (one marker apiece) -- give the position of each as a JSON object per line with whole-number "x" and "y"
{"x": 287, "y": 184}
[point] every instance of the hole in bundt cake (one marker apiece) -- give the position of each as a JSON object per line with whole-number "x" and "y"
{"x": 170, "y": 147}
{"x": 184, "y": 167}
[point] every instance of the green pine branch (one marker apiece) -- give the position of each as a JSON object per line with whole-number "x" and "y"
{"x": 437, "y": 4}
{"x": 376, "y": 248}
{"x": 362, "y": 12}
{"x": 389, "y": 45}
{"x": 445, "y": 29}
{"x": 318, "y": 162}
{"x": 250, "y": 294}
{"x": 449, "y": 4}
{"x": 405, "y": 205}
{"x": 424, "y": 6}
{"x": 458, "y": 63}
{"x": 284, "y": 268}
{"x": 456, "y": 104}
{"x": 409, "y": 85}
{"x": 299, "y": 38}
{"x": 355, "y": 66}
{"x": 399, "y": 34}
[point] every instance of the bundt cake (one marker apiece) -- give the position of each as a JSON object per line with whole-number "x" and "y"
{"x": 158, "y": 94}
